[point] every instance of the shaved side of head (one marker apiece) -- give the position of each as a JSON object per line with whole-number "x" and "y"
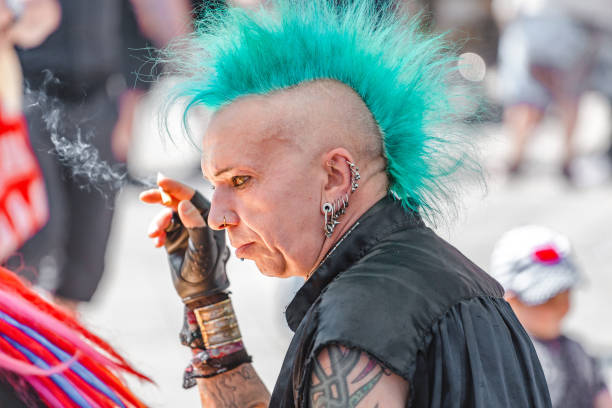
{"x": 324, "y": 114}
{"x": 318, "y": 116}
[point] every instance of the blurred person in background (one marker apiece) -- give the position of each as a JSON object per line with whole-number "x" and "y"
{"x": 550, "y": 53}
{"x": 24, "y": 25}
{"x": 23, "y": 203}
{"x": 536, "y": 267}
{"x": 83, "y": 72}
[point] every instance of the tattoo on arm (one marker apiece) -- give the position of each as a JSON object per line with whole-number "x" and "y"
{"x": 347, "y": 381}
{"x": 238, "y": 388}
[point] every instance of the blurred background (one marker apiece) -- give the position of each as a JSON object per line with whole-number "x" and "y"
{"x": 543, "y": 67}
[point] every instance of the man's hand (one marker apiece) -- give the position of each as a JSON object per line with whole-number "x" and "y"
{"x": 197, "y": 254}
{"x": 238, "y": 387}
{"x": 36, "y": 21}
{"x": 180, "y": 193}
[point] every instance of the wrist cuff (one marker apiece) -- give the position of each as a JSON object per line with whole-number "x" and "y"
{"x": 218, "y": 324}
{"x": 204, "y": 366}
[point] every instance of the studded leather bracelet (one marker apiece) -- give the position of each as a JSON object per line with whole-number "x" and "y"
{"x": 212, "y": 332}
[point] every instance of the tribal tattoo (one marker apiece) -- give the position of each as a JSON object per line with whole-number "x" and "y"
{"x": 342, "y": 385}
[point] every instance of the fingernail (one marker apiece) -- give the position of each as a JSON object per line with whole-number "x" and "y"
{"x": 166, "y": 198}
{"x": 151, "y": 230}
{"x": 160, "y": 176}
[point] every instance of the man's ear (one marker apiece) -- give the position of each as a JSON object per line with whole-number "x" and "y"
{"x": 338, "y": 171}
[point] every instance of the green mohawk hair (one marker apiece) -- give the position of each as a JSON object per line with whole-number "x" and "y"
{"x": 401, "y": 73}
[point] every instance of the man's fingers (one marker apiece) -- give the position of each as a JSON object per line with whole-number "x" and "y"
{"x": 160, "y": 241}
{"x": 180, "y": 194}
{"x": 175, "y": 188}
{"x": 152, "y": 196}
{"x": 156, "y": 196}
{"x": 160, "y": 223}
{"x": 173, "y": 193}
{"x": 189, "y": 215}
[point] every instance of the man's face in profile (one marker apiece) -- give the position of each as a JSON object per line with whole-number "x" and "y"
{"x": 267, "y": 185}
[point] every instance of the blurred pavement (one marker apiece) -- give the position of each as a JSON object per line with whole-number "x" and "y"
{"x": 137, "y": 310}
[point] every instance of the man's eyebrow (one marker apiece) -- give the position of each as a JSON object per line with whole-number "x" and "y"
{"x": 225, "y": 170}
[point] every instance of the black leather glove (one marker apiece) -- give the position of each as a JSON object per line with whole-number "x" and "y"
{"x": 197, "y": 257}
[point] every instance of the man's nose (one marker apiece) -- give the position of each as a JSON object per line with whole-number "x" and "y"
{"x": 221, "y": 215}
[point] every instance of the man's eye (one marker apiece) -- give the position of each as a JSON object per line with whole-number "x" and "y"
{"x": 238, "y": 181}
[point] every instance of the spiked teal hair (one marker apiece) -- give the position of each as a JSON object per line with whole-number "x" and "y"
{"x": 400, "y": 72}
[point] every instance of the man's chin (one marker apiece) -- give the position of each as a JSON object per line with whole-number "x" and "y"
{"x": 272, "y": 271}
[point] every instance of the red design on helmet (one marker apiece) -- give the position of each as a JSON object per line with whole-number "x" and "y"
{"x": 547, "y": 255}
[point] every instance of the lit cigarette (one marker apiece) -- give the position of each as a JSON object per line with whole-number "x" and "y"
{"x": 166, "y": 198}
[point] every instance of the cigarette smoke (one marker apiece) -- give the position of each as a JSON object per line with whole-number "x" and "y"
{"x": 74, "y": 149}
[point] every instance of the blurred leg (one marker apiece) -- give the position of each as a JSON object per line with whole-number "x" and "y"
{"x": 91, "y": 210}
{"x": 569, "y": 112}
{"x": 44, "y": 253}
{"x": 565, "y": 88}
{"x": 524, "y": 97}
{"x": 521, "y": 121}
{"x": 89, "y": 229}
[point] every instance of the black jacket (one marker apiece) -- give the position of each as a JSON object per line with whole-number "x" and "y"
{"x": 396, "y": 290}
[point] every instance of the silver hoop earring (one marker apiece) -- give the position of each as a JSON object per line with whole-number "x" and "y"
{"x": 332, "y": 212}
{"x": 330, "y": 219}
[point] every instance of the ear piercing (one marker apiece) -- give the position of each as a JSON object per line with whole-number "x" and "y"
{"x": 332, "y": 211}
{"x": 355, "y": 176}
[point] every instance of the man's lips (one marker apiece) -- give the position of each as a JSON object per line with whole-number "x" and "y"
{"x": 243, "y": 249}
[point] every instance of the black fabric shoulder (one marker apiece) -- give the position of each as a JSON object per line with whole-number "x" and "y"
{"x": 394, "y": 295}
{"x": 479, "y": 356}
{"x": 476, "y": 355}
{"x": 428, "y": 314}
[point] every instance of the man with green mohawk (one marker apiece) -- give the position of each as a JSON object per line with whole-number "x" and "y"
{"x": 331, "y": 139}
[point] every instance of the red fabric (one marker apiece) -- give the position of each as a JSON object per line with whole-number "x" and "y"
{"x": 23, "y": 199}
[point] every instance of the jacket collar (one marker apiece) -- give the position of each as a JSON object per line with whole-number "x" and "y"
{"x": 379, "y": 221}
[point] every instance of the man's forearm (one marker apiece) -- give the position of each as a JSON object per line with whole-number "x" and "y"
{"x": 237, "y": 388}
{"x": 220, "y": 365}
